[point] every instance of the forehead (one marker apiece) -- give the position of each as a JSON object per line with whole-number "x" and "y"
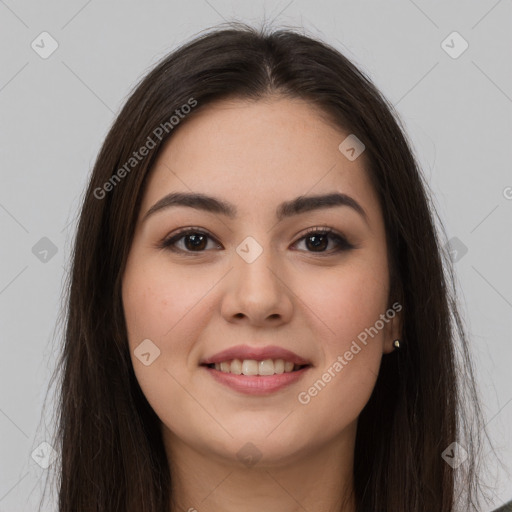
{"x": 257, "y": 154}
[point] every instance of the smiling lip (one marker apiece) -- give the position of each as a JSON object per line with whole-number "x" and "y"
{"x": 259, "y": 354}
{"x": 257, "y": 384}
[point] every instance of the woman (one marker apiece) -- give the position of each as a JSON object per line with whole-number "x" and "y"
{"x": 260, "y": 314}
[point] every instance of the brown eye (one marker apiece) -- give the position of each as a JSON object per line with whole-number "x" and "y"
{"x": 194, "y": 240}
{"x": 317, "y": 241}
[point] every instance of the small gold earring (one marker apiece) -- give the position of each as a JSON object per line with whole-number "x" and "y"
{"x": 396, "y": 344}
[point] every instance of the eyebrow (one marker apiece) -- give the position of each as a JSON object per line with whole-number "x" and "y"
{"x": 286, "y": 209}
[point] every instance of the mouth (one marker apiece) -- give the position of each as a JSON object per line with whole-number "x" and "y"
{"x": 252, "y": 367}
{"x": 256, "y": 370}
{"x": 245, "y": 377}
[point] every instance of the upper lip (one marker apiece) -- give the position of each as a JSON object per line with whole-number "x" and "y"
{"x": 258, "y": 353}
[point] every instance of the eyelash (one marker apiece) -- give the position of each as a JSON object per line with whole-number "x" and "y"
{"x": 341, "y": 241}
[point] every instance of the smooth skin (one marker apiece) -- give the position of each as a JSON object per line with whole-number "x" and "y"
{"x": 304, "y": 297}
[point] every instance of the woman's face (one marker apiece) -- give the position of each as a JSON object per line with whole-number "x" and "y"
{"x": 256, "y": 280}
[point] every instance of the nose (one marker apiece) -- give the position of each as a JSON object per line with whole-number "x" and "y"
{"x": 257, "y": 293}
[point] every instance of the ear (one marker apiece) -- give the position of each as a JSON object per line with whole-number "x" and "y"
{"x": 393, "y": 328}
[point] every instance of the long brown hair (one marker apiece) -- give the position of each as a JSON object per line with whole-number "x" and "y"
{"x": 112, "y": 457}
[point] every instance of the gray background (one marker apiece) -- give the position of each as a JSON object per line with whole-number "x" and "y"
{"x": 55, "y": 113}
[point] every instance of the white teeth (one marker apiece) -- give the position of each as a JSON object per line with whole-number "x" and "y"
{"x": 236, "y": 367}
{"x": 250, "y": 367}
{"x": 253, "y": 367}
{"x": 278, "y": 366}
{"x": 266, "y": 367}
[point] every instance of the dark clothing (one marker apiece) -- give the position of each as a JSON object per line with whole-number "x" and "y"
{"x": 505, "y": 508}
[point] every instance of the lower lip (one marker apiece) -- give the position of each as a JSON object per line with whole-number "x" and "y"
{"x": 257, "y": 384}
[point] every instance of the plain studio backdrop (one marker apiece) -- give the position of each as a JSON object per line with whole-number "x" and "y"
{"x": 66, "y": 68}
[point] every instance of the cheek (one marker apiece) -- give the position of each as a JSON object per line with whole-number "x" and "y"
{"x": 156, "y": 301}
{"x": 165, "y": 307}
{"x": 151, "y": 311}
{"x": 349, "y": 304}
{"x": 347, "y": 301}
